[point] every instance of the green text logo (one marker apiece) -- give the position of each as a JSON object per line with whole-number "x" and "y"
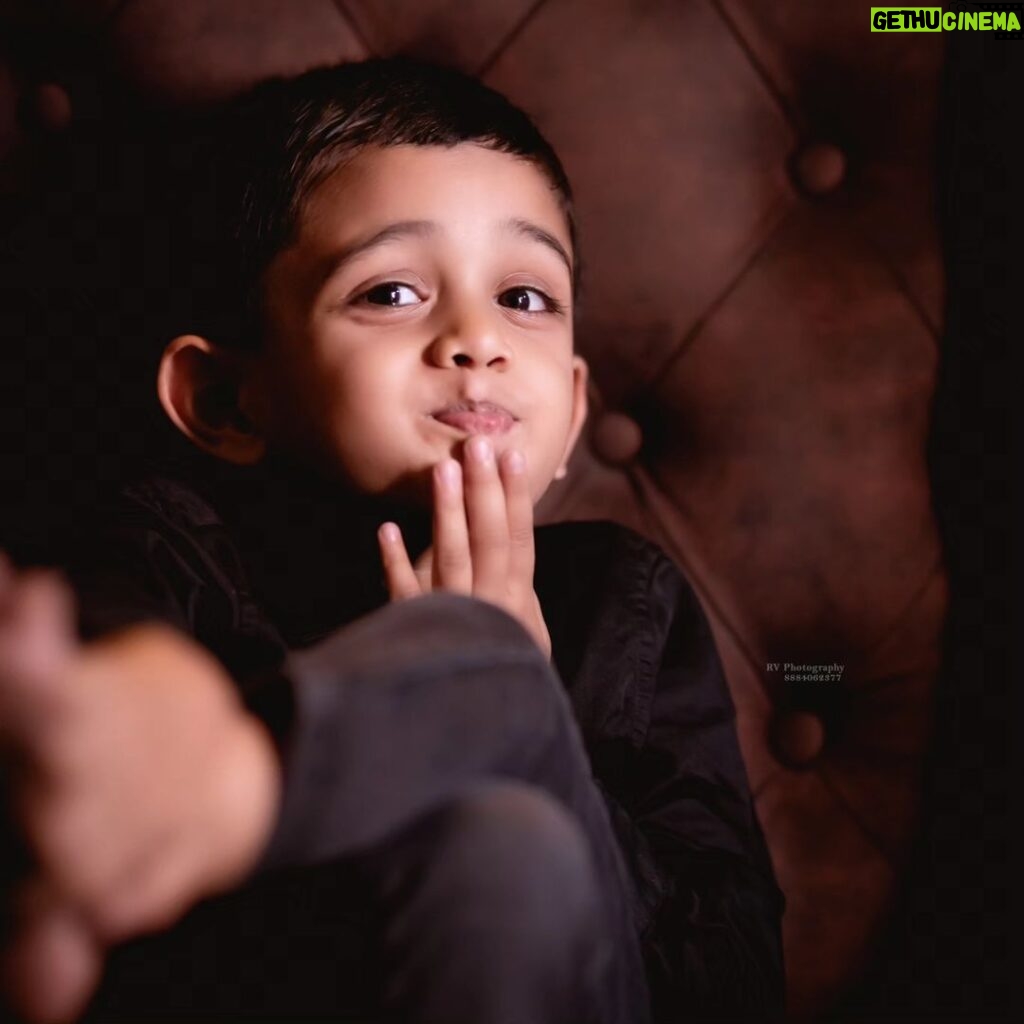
{"x": 935, "y": 19}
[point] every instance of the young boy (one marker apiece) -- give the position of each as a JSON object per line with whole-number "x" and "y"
{"x": 479, "y": 772}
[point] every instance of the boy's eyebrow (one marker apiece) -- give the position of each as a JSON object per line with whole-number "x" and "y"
{"x": 538, "y": 234}
{"x": 400, "y": 229}
{"x": 424, "y": 228}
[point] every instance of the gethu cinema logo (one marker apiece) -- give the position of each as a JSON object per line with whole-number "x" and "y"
{"x": 934, "y": 19}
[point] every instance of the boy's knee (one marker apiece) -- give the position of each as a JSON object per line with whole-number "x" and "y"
{"x": 444, "y": 620}
{"x": 437, "y": 630}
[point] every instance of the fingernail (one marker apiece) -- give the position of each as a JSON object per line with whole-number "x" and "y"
{"x": 515, "y": 461}
{"x": 389, "y": 532}
{"x": 480, "y": 449}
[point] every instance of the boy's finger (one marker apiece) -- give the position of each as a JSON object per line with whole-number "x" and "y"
{"x": 424, "y": 569}
{"x": 53, "y": 963}
{"x": 519, "y": 505}
{"x": 398, "y": 571}
{"x": 452, "y": 567}
{"x": 36, "y": 632}
{"x": 488, "y": 520}
{"x": 36, "y": 643}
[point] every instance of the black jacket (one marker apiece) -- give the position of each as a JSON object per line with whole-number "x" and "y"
{"x": 245, "y": 569}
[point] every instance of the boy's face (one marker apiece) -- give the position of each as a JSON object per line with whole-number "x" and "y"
{"x": 421, "y": 278}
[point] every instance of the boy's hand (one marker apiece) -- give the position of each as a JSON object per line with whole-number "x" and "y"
{"x": 483, "y": 538}
{"x": 135, "y": 777}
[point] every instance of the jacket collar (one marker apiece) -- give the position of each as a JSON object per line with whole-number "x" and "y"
{"x": 310, "y": 545}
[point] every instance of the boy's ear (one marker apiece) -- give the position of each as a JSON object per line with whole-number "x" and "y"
{"x": 197, "y": 384}
{"x": 580, "y": 374}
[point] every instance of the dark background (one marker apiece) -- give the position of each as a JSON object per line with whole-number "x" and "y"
{"x": 953, "y": 949}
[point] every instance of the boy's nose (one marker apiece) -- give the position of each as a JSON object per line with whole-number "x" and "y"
{"x": 475, "y": 341}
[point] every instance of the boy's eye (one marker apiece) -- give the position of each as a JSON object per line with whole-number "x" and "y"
{"x": 389, "y": 294}
{"x": 522, "y": 302}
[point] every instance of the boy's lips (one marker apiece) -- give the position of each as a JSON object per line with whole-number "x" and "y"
{"x": 476, "y": 417}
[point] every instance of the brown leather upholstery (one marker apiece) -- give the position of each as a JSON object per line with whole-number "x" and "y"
{"x": 763, "y": 304}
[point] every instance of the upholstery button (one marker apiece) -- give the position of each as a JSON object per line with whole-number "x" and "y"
{"x": 797, "y": 738}
{"x": 51, "y": 107}
{"x": 616, "y": 438}
{"x": 819, "y": 168}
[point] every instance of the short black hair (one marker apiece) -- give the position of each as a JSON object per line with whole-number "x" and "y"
{"x": 262, "y": 155}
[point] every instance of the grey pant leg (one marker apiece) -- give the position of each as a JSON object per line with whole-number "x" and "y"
{"x": 405, "y": 710}
{"x": 493, "y": 914}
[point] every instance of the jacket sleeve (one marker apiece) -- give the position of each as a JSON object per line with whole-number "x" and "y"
{"x": 713, "y": 944}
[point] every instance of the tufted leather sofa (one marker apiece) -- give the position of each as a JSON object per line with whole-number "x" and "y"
{"x": 762, "y": 314}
